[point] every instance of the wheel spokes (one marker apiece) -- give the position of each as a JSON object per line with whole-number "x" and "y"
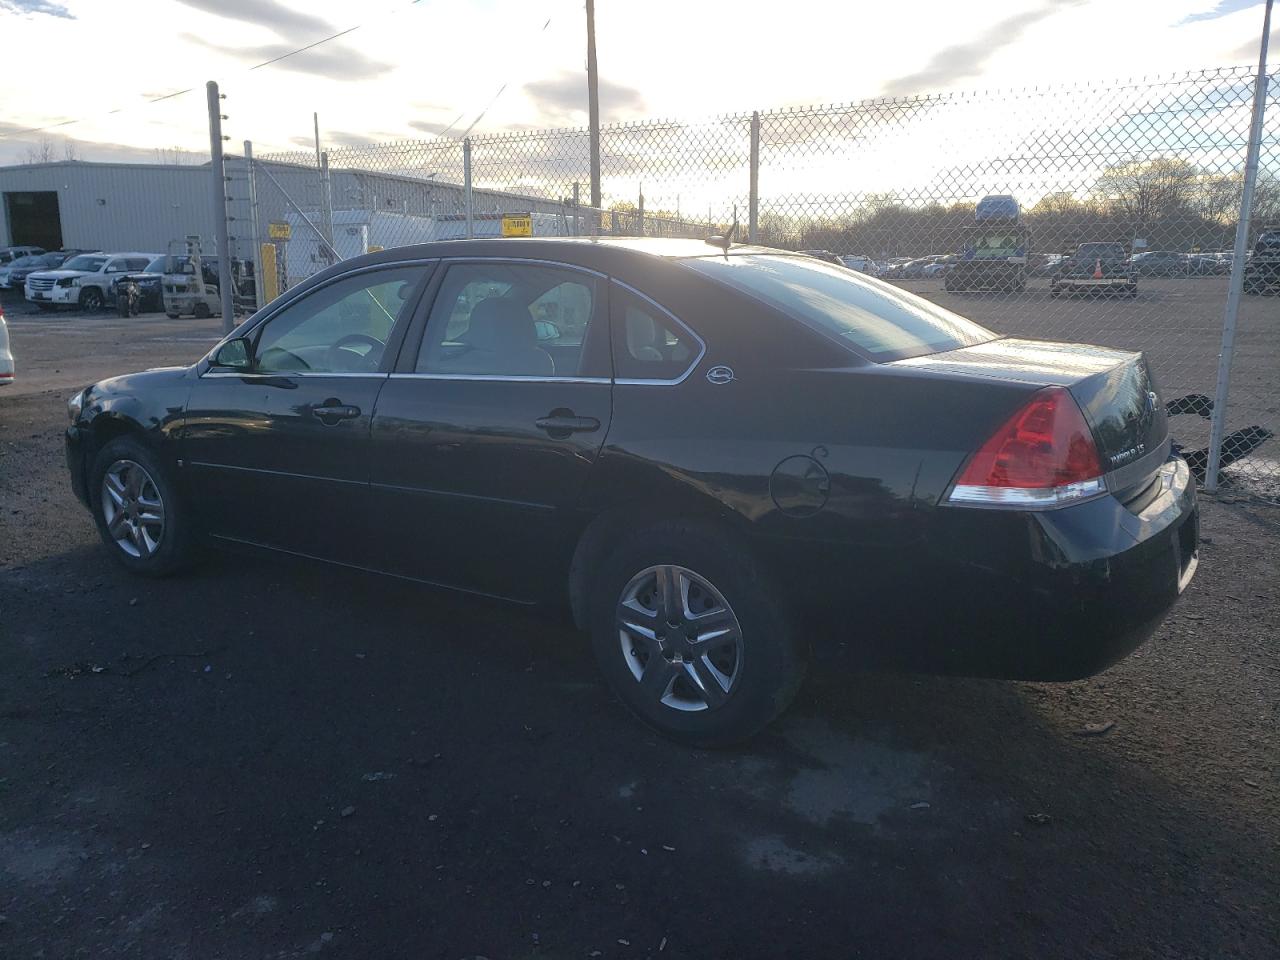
{"x": 711, "y": 684}
{"x": 658, "y": 678}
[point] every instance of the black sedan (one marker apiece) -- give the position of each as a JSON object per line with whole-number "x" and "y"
{"x": 721, "y": 461}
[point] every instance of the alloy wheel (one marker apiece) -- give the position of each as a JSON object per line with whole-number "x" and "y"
{"x": 132, "y": 508}
{"x": 680, "y": 638}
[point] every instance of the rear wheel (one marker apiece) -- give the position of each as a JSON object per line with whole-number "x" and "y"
{"x": 137, "y": 509}
{"x": 692, "y": 636}
{"x": 91, "y": 299}
{"x": 202, "y": 311}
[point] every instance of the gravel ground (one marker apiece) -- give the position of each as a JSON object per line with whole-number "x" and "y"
{"x": 272, "y": 759}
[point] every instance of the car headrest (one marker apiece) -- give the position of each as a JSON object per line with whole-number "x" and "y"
{"x": 501, "y": 324}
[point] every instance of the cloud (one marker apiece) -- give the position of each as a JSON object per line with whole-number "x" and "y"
{"x": 969, "y": 59}
{"x": 1248, "y": 52}
{"x": 265, "y": 13}
{"x": 332, "y": 61}
{"x": 1223, "y": 8}
{"x": 560, "y": 99}
{"x": 427, "y": 127}
{"x": 36, "y": 7}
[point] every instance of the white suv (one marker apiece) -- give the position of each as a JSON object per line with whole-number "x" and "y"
{"x": 83, "y": 281}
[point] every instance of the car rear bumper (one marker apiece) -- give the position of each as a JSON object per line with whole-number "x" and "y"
{"x": 1049, "y": 595}
{"x": 1091, "y": 283}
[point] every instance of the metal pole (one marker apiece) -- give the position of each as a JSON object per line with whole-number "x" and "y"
{"x": 298, "y": 210}
{"x": 576, "y": 201}
{"x": 1218, "y": 426}
{"x": 326, "y": 198}
{"x": 466, "y": 186}
{"x": 640, "y": 214}
{"x": 315, "y": 119}
{"x": 753, "y": 213}
{"x": 593, "y": 106}
{"x": 255, "y": 227}
{"x": 218, "y": 179}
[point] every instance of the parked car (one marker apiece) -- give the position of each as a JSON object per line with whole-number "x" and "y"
{"x": 1206, "y": 265}
{"x": 939, "y": 267}
{"x": 83, "y": 281}
{"x": 914, "y": 269}
{"x": 1045, "y": 264}
{"x": 1160, "y": 263}
{"x": 861, "y": 264}
{"x": 9, "y": 254}
{"x": 6, "y": 352}
{"x": 725, "y": 457}
{"x": 826, "y": 255}
{"x": 141, "y": 291}
{"x": 13, "y": 275}
{"x": 1095, "y": 268}
{"x": 1262, "y": 272}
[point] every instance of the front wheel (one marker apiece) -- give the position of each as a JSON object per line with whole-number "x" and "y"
{"x": 691, "y": 635}
{"x": 137, "y": 510}
{"x": 91, "y": 299}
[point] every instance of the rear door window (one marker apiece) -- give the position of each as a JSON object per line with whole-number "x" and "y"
{"x": 876, "y": 320}
{"x": 649, "y": 344}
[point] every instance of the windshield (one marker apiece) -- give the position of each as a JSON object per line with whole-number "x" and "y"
{"x": 85, "y": 263}
{"x": 26, "y": 261}
{"x": 156, "y": 265}
{"x": 876, "y": 319}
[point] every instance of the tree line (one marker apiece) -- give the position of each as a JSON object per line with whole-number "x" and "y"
{"x": 1167, "y": 202}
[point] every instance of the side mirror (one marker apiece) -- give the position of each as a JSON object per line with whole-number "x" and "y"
{"x": 234, "y": 354}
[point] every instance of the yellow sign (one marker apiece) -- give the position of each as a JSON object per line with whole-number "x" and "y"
{"x": 279, "y": 231}
{"x": 517, "y": 225}
{"x": 374, "y": 248}
{"x": 269, "y": 274}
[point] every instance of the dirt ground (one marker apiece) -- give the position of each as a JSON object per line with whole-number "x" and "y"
{"x": 267, "y": 759}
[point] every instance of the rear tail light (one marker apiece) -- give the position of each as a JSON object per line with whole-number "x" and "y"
{"x": 1042, "y": 456}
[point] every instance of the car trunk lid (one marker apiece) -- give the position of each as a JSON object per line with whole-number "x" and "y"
{"x": 1114, "y": 389}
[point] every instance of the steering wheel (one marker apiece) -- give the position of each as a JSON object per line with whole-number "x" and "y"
{"x": 369, "y": 358}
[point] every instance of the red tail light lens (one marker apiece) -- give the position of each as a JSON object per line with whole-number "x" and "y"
{"x": 1043, "y": 455}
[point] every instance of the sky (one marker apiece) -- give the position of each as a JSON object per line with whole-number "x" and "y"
{"x": 431, "y": 67}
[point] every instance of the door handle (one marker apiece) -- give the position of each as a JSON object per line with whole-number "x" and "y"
{"x": 331, "y": 413}
{"x": 562, "y": 424}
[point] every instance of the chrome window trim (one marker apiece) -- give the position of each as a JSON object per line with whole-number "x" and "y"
{"x": 449, "y": 261}
{"x": 267, "y": 375}
{"x": 498, "y": 378}
{"x": 651, "y": 382}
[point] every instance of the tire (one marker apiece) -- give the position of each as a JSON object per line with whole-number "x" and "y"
{"x": 758, "y": 654}
{"x": 142, "y": 547}
{"x": 122, "y": 306}
{"x": 91, "y": 299}
{"x": 172, "y": 316}
{"x": 202, "y": 311}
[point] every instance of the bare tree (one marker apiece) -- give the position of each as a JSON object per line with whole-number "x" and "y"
{"x": 70, "y": 149}
{"x": 176, "y": 155}
{"x": 1145, "y": 193}
{"x": 41, "y": 151}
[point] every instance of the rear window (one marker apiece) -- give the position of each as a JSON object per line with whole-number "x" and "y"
{"x": 876, "y": 319}
{"x": 1109, "y": 251}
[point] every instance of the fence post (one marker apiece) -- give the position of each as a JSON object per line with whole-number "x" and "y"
{"x": 466, "y": 185}
{"x": 326, "y": 200}
{"x": 218, "y": 178}
{"x": 255, "y": 228}
{"x": 753, "y": 210}
{"x": 576, "y": 200}
{"x": 640, "y": 214}
{"x": 1218, "y": 425}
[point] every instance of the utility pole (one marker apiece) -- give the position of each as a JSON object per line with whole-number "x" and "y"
{"x": 593, "y": 110}
{"x": 218, "y": 178}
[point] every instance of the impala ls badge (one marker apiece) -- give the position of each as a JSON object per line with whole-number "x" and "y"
{"x": 719, "y": 375}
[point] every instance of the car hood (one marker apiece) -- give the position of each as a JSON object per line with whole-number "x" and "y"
{"x": 60, "y": 274}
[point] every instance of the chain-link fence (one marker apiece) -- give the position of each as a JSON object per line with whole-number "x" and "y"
{"x": 1101, "y": 212}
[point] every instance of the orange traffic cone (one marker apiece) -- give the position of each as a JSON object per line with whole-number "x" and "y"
{"x": 1097, "y": 269}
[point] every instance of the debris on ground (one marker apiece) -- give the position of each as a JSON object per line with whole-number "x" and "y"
{"x": 1096, "y": 729}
